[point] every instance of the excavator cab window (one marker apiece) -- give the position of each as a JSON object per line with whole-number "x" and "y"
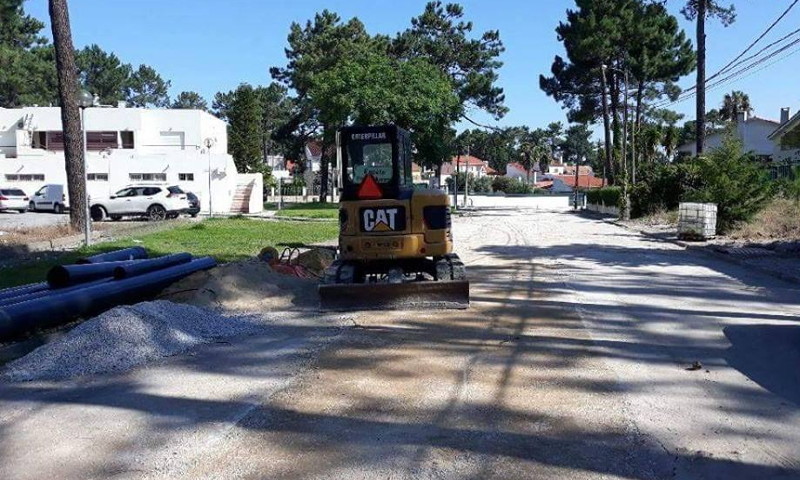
{"x": 382, "y": 153}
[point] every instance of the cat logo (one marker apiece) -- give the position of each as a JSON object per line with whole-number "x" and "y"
{"x": 382, "y": 219}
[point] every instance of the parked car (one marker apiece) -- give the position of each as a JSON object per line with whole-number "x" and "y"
{"x": 194, "y": 204}
{"x": 50, "y": 198}
{"x": 13, "y": 199}
{"x": 151, "y": 200}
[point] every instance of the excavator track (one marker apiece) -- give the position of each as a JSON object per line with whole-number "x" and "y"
{"x": 432, "y": 284}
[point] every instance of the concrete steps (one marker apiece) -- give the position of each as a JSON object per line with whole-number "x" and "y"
{"x": 241, "y": 198}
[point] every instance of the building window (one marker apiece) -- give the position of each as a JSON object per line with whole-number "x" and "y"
{"x": 186, "y": 177}
{"x": 55, "y": 141}
{"x": 97, "y": 141}
{"x": 25, "y": 177}
{"x": 127, "y": 139}
{"x": 39, "y": 140}
{"x": 148, "y": 177}
{"x": 97, "y": 177}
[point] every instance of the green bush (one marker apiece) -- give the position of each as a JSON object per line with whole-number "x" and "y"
{"x": 735, "y": 181}
{"x": 476, "y": 184}
{"x": 510, "y": 186}
{"x": 660, "y": 187}
{"x": 608, "y": 196}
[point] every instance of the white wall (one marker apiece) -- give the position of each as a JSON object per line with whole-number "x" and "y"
{"x": 149, "y": 155}
{"x": 537, "y": 202}
{"x": 754, "y": 134}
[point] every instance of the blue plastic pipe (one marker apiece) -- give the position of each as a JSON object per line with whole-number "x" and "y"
{"x": 63, "y": 306}
{"x": 49, "y": 291}
{"x": 133, "y": 253}
{"x": 140, "y": 267}
{"x": 62, "y": 276}
{"x": 23, "y": 289}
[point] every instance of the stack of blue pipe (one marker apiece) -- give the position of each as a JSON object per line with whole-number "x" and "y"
{"x": 90, "y": 286}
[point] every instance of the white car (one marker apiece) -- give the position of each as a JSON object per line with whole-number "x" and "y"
{"x": 13, "y": 199}
{"x": 152, "y": 200}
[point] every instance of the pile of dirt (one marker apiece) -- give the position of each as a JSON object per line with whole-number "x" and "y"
{"x": 250, "y": 286}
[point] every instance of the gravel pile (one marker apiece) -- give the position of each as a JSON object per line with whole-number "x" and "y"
{"x": 128, "y": 336}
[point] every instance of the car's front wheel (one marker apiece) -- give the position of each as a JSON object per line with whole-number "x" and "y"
{"x": 59, "y": 209}
{"x": 32, "y": 207}
{"x": 156, "y": 213}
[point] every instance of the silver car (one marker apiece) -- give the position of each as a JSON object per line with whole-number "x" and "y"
{"x": 13, "y": 199}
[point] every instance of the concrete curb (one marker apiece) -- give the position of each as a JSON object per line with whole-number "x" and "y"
{"x": 788, "y": 277}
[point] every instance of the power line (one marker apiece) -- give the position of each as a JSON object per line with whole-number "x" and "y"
{"x": 755, "y": 42}
{"x": 690, "y": 92}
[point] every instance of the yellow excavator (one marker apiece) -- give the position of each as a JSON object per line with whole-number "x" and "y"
{"x": 395, "y": 238}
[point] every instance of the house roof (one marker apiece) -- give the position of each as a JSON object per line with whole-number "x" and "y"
{"x": 582, "y": 170}
{"x": 468, "y": 160}
{"x": 584, "y": 181}
{"x": 790, "y": 125}
{"x": 544, "y": 184}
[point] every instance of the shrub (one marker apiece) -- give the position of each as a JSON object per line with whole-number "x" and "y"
{"x": 660, "y": 187}
{"x": 510, "y": 186}
{"x": 735, "y": 181}
{"x": 476, "y": 184}
{"x": 608, "y": 196}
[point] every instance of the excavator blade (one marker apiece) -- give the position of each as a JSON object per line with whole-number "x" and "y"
{"x": 394, "y": 296}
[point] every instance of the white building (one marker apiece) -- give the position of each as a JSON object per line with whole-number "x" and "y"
{"x": 518, "y": 171}
{"x": 787, "y": 141}
{"x": 127, "y": 145}
{"x": 753, "y": 131}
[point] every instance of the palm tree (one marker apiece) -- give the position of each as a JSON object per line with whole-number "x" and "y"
{"x": 733, "y": 104}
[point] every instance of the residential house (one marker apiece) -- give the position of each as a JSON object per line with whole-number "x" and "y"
{"x": 464, "y": 163}
{"x": 184, "y": 147}
{"x": 786, "y": 139}
{"x": 583, "y": 170}
{"x": 557, "y": 168}
{"x": 518, "y": 171}
{"x": 753, "y": 131}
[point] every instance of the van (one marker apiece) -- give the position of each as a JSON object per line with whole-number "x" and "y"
{"x": 50, "y": 198}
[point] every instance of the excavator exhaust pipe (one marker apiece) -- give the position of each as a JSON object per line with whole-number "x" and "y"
{"x": 442, "y": 295}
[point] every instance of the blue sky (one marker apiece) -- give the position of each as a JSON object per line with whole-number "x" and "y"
{"x": 208, "y": 46}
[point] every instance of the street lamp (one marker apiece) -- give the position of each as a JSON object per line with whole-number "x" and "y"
{"x": 85, "y": 100}
{"x": 209, "y": 142}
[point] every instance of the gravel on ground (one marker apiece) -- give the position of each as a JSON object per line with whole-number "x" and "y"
{"x": 127, "y": 336}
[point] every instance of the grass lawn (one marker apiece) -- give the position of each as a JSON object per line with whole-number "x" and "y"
{"x": 226, "y": 239}
{"x": 310, "y": 210}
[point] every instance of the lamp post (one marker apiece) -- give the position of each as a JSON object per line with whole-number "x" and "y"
{"x": 85, "y": 100}
{"x": 209, "y": 142}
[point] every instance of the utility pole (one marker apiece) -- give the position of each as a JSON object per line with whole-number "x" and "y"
{"x": 701, "y": 77}
{"x": 577, "y": 182}
{"x": 608, "y": 170}
{"x": 455, "y": 182}
{"x": 466, "y": 181}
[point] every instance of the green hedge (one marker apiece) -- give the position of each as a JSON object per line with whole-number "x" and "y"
{"x": 510, "y": 185}
{"x": 608, "y": 196}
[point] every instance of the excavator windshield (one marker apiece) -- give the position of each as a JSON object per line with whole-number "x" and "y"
{"x": 381, "y": 152}
{"x": 369, "y": 158}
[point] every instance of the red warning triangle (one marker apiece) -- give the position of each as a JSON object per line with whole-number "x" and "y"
{"x": 369, "y": 189}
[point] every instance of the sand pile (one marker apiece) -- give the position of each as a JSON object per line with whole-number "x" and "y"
{"x": 244, "y": 287}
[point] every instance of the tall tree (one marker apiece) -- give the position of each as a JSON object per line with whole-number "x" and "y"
{"x": 442, "y": 36}
{"x": 577, "y": 144}
{"x": 146, "y": 88}
{"x": 244, "y": 135}
{"x": 314, "y": 48}
{"x": 222, "y": 103}
{"x": 277, "y": 109}
{"x": 27, "y": 63}
{"x": 103, "y": 74}
{"x": 70, "y": 117}
{"x": 700, "y": 10}
{"x": 733, "y": 104}
{"x": 190, "y": 101}
{"x": 631, "y": 36}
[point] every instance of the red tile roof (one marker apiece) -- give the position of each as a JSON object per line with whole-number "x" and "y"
{"x": 468, "y": 160}
{"x": 584, "y": 181}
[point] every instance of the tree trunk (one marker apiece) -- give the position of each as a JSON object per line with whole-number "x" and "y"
{"x": 637, "y": 125}
{"x": 701, "y": 76}
{"x": 607, "y": 132}
{"x": 70, "y": 115}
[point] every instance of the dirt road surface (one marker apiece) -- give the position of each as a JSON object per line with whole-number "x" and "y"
{"x": 575, "y": 361}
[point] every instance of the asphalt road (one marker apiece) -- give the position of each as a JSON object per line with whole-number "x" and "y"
{"x": 573, "y": 362}
{"x": 15, "y": 220}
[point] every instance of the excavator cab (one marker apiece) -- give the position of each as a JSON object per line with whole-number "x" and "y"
{"x": 395, "y": 240}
